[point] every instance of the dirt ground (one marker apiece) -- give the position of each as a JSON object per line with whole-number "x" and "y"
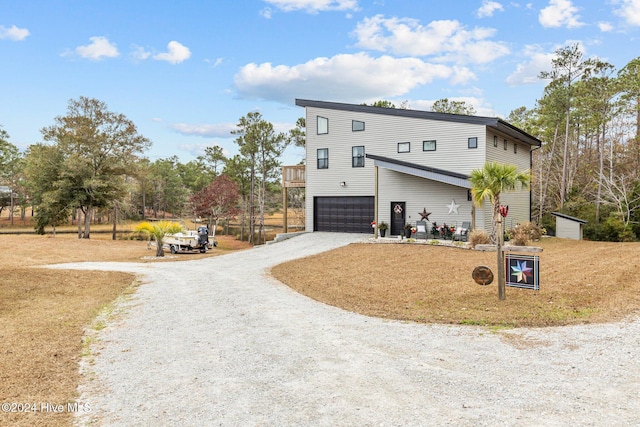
{"x": 580, "y": 282}
{"x": 44, "y": 313}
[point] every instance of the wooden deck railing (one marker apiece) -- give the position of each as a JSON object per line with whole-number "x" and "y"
{"x": 293, "y": 176}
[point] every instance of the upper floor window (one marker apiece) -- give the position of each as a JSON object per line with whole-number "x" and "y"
{"x": 495, "y": 141}
{"x": 429, "y": 145}
{"x": 323, "y": 158}
{"x": 473, "y": 142}
{"x": 505, "y": 144}
{"x": 357, "y": 126}
{"x": 515, "y": 148}
{"x": 357, "y": 156}
{"x": 323, "y": 125}
{"x": 404, "y": 147}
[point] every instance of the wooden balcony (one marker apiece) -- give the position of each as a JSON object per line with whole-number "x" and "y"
{"x": 293, "y": 176}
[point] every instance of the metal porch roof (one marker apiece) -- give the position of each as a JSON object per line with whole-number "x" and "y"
{"x": 427, "y": 172}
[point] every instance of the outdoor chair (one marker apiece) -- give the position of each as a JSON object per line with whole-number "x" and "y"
{"x": 462, "y": 232}
{"x": 421, "y": 230}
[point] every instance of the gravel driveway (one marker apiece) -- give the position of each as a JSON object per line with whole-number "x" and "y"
{"x": 218, "y": 342}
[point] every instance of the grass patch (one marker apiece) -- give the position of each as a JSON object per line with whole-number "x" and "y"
{"x": 45, "y": 314}
{"x": 580, "y": 282}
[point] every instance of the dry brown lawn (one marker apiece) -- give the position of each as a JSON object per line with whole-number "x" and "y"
{"x": 580, "y": 282}
{"x": 43, "y": 314}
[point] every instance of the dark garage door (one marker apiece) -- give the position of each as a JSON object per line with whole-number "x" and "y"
{"x": 343, "y": 214}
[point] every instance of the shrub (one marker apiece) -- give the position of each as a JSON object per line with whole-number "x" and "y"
{"x": 612, "y": 229}
{"x": 479, "y": 237}
{"x": 522, "y": 234}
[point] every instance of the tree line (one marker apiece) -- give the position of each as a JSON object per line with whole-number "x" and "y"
{"x": 91, "y": 166}
{"x": 92, "y": 161}
{"x": 588, "y": 118}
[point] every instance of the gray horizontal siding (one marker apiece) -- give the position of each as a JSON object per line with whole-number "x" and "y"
{"x": 381, "y": 136}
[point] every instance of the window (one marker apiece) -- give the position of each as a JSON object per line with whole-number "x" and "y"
{"x": 495, "y": 141}
{"x": 357, "y": 156}
{"x": 357, "y": 126}
{"x": 515, "y": 148}
{"x": 473, "y": 142}
{"x": 323, "y": 158}
{"x": 429, "y": 145}
{"x": 323, "y": 125}
{"x": 404, "y": 147}
{"x": 505, "y": 144}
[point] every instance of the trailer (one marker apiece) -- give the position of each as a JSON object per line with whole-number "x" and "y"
{"x": 190, "y": 241}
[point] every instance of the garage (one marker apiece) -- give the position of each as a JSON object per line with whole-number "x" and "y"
{"x": 343, "y": 214}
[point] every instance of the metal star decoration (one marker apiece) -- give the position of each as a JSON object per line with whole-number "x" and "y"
{"x": 424, "y": 214}
{"x": 453, "y": 208}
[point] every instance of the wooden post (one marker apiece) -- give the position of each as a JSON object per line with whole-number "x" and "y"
{"x": 284, "y": 209}
{"x": 500, "y": 258}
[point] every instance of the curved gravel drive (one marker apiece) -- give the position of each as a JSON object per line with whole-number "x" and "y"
{"x": 219, "y": 342}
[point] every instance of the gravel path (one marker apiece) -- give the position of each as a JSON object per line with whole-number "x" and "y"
{"x": 219, "y": 342}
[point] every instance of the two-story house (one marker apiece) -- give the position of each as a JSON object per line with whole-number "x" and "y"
{"x": 368, "y": 162}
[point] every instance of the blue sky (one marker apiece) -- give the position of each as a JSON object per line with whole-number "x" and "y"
{"x": 186, "y": 71}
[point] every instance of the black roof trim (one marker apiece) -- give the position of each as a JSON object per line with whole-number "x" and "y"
{"x": 492, "y": 122}
{"x": 571, "y": 218}
{"x": 416, "y": 166}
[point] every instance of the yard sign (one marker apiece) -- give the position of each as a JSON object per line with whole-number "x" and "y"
{"x": 523, "y": 271}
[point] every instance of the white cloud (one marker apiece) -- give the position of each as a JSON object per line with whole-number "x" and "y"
{"x": 139, "y": 53}
{"x": 462, "y": 75}
{"x": 560, "y": 13}
{"x": 605, "y": 27}
{"x": 220, "y": 130}
{"x": 314, "y": 6}
{"x": 630, "y": 11}
{"x": 488, "y": 8}
{"x": 448, "y": 40}
{"x": 344, "y": 77}
{"x": 13, "y": 33}
{"x": 527, "y": 72}
{"x": 99, "y": 48}
{"x": 214, "y": 62}
{"x": 176, "y": 53}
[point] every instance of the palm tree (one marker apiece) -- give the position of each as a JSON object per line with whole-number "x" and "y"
{"x": 158, "y": 230}
{"x": 492, "y": 180}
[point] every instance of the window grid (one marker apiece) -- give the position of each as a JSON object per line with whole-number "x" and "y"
{"x": 323, "y": 158}
{"x": 357, "y": 156}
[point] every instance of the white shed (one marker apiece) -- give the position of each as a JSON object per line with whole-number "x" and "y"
{"x": 568, "y": 227}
